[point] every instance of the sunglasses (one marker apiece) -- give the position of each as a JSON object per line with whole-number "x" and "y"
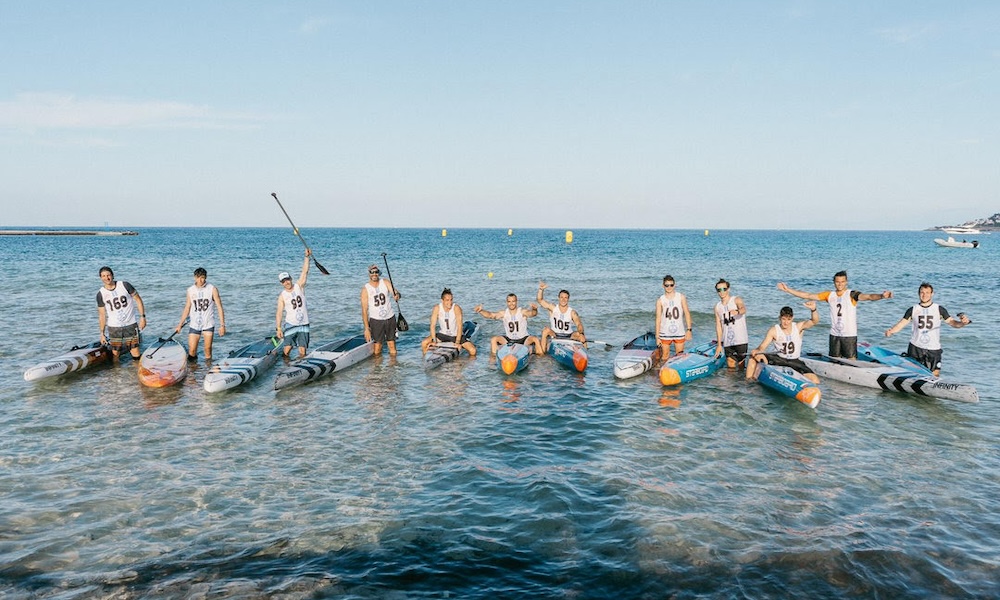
{"x": 374, "y": 272}
{"x": 722, "y": 289}
{"x": 668, "y": 285}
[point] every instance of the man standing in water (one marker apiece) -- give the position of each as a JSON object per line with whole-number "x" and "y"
{"x": 564, "y": 322}
{"x": 292, "y": 306}
{"x": 120, "y": 309}
{"x": 730, "y": 326}
{"x": 843, "y": 313}
{"x": 376, "y": 313}
{"x": 671, "y": 315}
{"x": 927, "y": 316}
{"x": 201, "y": 304}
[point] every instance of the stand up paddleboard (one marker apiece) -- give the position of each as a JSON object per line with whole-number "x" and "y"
{"x": 637, "y": 356}
{"x": 444, "y": 352}
{"x": 243, "y": 365}
{"x": 789, "y": 382}
{"x": 696, "y": 363}
{"x": 77, "y": 359}
{"x": 333, "y": 356}
{"x": 513, "y": 358}
{"x": 569, "y": 353}
{"x": 162, "y": 364}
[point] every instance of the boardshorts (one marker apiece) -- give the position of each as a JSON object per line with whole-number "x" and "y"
{"x": 929, "y": 358}
{"x": 123, "y": 337}
{"x": 843, "y": 347}
{"x": 383, "y": 330}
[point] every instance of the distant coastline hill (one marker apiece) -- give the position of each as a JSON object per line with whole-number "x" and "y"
{"x": 987, "y": 224}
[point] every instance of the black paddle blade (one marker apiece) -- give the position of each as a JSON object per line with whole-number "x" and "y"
{"x": 401, "y": 324}
{"x": 321, "y": 268}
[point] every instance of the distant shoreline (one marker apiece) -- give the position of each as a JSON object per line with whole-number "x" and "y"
{"x": 63, "y": 232}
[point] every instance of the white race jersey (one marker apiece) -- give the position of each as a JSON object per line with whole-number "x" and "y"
{"x": 734, "y": 329}
{"x": 562, "y": 322}
{"x": 515, "y": 325}
{"x": 202, "y": 312}
{"x": 295, "y": 306}
{"x": 447, "y": 322}
{"x": 788, "y": 345}
{"x": 672, "y": 317}
{"x": 843, "y": 314}
{"x": 378, "y": 301}
{"x": 119, "y": 306}
{"x": 927, "y": 325}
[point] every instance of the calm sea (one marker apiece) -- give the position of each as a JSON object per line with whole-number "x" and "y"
{"x": 389, "y": 481}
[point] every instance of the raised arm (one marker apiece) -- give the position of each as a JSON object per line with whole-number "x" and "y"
{"x": 814, "y": 316}
{"x": 305, "y": 269}
{"x": 797, "y": 293}
{"x": 541, "y": 296}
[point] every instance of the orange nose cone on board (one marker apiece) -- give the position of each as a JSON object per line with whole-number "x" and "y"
{"x": 809, "y": 396}
{"x": 669, "y": 376}
{"x": 580, "y": 361}
{"x": 508, "y": 364}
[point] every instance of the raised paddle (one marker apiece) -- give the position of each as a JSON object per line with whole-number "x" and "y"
{"x": 321, "y": 268}
{"x": 401, "y": 323}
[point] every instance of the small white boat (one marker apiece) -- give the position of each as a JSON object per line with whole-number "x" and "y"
{"x": 953, "y": 243}
{"x": 961, "y": 230}
{"x": 333, "y": 356}
{"x": 243, "y": 365}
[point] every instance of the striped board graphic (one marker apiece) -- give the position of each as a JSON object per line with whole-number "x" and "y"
{"x": 445, "y": 352}
{"x": 78, "y": 358}
{"x": 243, "y": 365}
{"x": 333, "y": 356}
{"x": 637, "y": 356}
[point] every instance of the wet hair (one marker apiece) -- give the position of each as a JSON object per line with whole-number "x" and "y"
{"x": 926, "y": 285}
{"x": 108, "y": 269}
{"x": 512, "y": 295}
{"x": 561, "y": 292}
{"x": 722, "y": 281}
{"x": 840, "y": 274}
{"x": 200, "y": 272}
{"x": 667, "y": 278}
{"x": 446, "y": 292}
{"x": 786, "y": 311}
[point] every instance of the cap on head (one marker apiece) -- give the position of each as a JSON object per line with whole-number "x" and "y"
{"x": 283, "y": 276}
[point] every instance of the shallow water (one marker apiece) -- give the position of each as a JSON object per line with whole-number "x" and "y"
{"x": 386, "y": 480}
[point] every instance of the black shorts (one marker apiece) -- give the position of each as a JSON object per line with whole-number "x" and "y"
{"x": 383, "y": 330}
{"x": 444, "y": 337}
{"x": 737, "y": 352}
{"x": 123, "y": 337}
{"x": 515, "y": 341}
{"x": 843, "y": 347}
{"x": 929, "y": 358}
{"x": 781, "y": 361}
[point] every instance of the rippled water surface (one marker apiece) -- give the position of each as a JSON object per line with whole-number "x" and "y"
{"x": 386, "y": 480}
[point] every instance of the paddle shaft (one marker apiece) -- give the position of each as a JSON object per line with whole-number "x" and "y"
{"x": 401, "y": 323}
{"x": 165, "y": 340}
{"x": 295, "y": 229}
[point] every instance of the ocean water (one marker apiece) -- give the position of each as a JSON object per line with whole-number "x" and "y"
{"x": 389, "y": 481}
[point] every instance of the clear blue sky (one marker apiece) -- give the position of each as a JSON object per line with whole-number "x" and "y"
{"x": 798, "y": 114}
